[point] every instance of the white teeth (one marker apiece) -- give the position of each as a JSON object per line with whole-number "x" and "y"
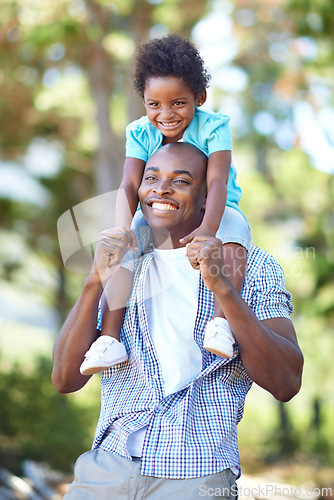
{"x": 169, "y": 124}
{"x": 163, "y": 206}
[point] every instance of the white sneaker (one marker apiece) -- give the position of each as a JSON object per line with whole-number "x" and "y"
{"x": 218, "y": 338}
{"x": 103, "y": 353}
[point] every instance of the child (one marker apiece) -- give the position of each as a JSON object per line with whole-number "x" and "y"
{"x": 171, "y": 78}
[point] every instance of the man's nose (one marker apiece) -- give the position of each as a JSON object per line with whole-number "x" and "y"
{"x": 163, "y": 187}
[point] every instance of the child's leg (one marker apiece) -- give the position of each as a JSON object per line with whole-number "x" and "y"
{"x": 113, "y": 302}
{"x": 235, "y": 235}
{"x": 235, "y": 263}
{"x": 107, "y": 351}
{"x": 219, "y": 338}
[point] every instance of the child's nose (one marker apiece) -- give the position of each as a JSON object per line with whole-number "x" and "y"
{"x": 166, "y": 113}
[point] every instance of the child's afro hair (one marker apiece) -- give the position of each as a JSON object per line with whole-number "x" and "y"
{"x": 171, "y": 55}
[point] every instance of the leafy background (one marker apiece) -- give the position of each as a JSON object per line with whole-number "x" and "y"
{"x": 65, "y": 99}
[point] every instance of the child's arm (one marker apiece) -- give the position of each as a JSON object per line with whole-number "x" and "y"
{"x": 217, "y": 176}
{"x": 127, "y": 196}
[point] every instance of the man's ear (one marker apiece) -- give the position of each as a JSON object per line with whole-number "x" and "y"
{"x": 201, "y": 99}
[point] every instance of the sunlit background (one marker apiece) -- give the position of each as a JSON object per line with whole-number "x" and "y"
{"x": 65, "y": 99}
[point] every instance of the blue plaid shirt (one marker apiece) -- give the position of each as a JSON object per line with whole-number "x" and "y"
{"x": 192, "y": 432}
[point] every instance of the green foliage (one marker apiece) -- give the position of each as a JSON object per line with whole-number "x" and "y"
{"x": 58, "y": 63}
{"x": 289, "y": 202}
{"x": 315, "y": 18}
{"x": 38, "y": 423}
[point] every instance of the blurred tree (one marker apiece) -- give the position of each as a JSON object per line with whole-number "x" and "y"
{"x": 38, "y": 423}
{"x": 65, "y": 79}
{"x": 48, "y": 48}
{"x": 65, "y": 92}
{"x": 65, "y": 85}
{"x": 284, "y": 139}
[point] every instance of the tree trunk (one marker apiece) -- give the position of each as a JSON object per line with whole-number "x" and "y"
{"x": 140, "y": 28}
{"x": 100, "y": 78}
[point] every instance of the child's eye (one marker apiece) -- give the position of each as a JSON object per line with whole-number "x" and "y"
{"x": 154, "y": 104}
{"x": 179, "y": 103}
{"x": 149, "y": 178}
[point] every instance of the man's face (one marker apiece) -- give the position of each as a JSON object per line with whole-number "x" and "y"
{"x": 173, "y": 189}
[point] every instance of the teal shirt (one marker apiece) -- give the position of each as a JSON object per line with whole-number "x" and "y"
{"x": 208, "y": 131}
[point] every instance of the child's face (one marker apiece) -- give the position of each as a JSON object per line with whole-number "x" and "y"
{"x": 170, "y": 105}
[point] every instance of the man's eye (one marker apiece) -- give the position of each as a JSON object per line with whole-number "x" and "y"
{"x": 181, "y": 181}
{"x": 149, "y": 178}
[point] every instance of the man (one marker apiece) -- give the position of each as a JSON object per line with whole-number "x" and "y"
{"x": 168, "y": 419}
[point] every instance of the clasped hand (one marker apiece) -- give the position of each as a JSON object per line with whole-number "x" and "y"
{"x": 206, "y": 254}
{"x": 112, "y": 245}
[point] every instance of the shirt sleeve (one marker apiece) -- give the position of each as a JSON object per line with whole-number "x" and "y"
{"x": 270, "y": 298}
{"x": 219, "y": 136}
{"x": 136, "y": 141}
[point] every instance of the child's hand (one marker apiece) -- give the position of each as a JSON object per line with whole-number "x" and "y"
{"x": 112, "y": 245}
{"x": 206, "y": 254}
{"x": 200, "y": 231}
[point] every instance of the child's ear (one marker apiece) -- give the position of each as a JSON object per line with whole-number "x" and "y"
{"x": 201, "y": 99}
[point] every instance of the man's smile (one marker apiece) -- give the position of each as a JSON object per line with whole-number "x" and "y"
{"x": 163, "y": 206}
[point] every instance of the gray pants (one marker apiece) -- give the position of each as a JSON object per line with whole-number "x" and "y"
{"x": 102, "y": 475}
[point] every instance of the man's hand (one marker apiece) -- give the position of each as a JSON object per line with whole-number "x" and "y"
{"x": 206, "y": 254}
{"x": 112, "y": 245}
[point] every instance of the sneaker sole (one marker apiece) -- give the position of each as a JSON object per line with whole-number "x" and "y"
{"x": 214, "y": 350}
{"x": 91, "y": 370}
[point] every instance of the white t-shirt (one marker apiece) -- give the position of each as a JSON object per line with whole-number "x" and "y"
{"x": 171, "y": 306}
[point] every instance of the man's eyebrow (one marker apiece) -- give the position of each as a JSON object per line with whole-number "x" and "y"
{"x": 178, "y": 172}
{"x": 155, "y": 169}
{"x": 186, "y": 172}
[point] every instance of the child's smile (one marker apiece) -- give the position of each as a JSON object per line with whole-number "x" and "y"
{"x": 170, "y": 106}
